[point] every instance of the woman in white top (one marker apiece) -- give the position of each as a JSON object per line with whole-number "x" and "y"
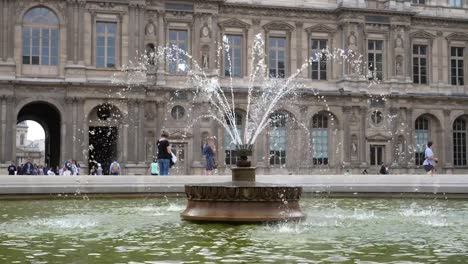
{"x": 430, "y": 160}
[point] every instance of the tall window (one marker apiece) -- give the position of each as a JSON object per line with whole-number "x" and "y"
{"x": 277, "y": 57}
{"x": 105, "y": 44}
{"x": 455, "y": 3}
{"x": 40, "y": 37}
{"x": 178, "y": 39}
{"x": 376, "y": 154}
{"x": 421, "y": 127}
{"x": 320, "y": 139}
{"x": 419, "y": 2}
{"x": 278, "y": 139}
{"x": 22, "y": 139}
{"x": 229, "y": 146}
{"x": 374, "y": 58}
{"x": 420, "y": 64}
{"x": 456, "y": 65}
{"x": 233, "y": 56}
{"x": 319, "y": 65}
{"x": 459, "y": 142}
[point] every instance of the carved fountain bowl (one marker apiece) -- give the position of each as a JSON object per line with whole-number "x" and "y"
{"x": 242, "y": 202}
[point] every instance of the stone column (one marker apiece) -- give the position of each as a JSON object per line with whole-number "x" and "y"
{"x": 410, "y": 133}
{"x": 10, "y": 129}
{"x": 132, "y": 30}
{"x": 197, "y": 154}
{"x": 81, "y": 32}
{"x": 71, "y": 25}
{"x": 347, "y": 110}
{"x": 447, "y": 144}
{"x": 3, "y": 127}
{"x": 82, "y": 140}
{"x": 299, "y": 57}
{"x": 362, "y": 135}
{"x": 131, "y": 143}
{"x": 141, "y": 132}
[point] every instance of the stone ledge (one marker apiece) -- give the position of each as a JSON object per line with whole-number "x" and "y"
{"x": 312, "y": 184}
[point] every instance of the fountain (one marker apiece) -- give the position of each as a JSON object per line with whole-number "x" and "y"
{"x": 243, "y": 199}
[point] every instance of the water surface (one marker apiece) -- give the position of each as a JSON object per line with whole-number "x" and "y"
{"x": 150, "y": 231}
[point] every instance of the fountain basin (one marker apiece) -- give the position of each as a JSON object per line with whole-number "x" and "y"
{"x": 242, "y": 201}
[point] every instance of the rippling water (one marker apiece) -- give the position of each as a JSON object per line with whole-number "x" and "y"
{"x": 150, "y": 231}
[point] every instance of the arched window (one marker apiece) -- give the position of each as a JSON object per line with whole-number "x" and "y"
{"x": 421, "y": 128}
{"x": 459, "y": 142}
{"x": 229, "y": 146}
{"x": 320, "y": 139}
{"x": 40, "y": 37}
{"x": 278, "y": 138}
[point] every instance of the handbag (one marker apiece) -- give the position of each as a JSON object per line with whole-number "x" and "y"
{"x": 173, "y": 158}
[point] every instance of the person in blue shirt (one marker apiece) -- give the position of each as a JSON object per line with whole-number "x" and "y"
{"x": 209, "y": 151}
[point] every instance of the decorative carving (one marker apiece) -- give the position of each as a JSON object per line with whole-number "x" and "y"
{"x": 278, "y": 26}
{"x": 320, "y": 28}
{"x": 399, "y": 42}
{"x": 233, "y": 23}
{"x": 422, "y": 35}
{"x": 458, "y": 36}
{"x": 205, "y": 32}
{"x": 242, "y": 193}
{"x": 149, "y": 29}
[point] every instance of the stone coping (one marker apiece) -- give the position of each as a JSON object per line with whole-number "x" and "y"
{"x": 350, "y": 185}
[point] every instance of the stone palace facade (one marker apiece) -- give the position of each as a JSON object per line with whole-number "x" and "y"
{"x": 57, "y": 59}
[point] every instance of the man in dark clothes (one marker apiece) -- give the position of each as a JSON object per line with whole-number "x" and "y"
{"x": 11, "y": 169}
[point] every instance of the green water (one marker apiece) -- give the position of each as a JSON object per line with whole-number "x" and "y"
{"x": 150, "y": 231}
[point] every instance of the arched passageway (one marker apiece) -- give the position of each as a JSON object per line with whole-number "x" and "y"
{"x": 49, "y": 118}
{"x": 103, "y": 122}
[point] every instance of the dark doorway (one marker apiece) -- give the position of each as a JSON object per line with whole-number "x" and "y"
{"x": 49, "y": 118}
{"x": 102, "y": 147}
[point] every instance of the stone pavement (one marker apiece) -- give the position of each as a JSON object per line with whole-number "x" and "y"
{"x": 334, "y": 185}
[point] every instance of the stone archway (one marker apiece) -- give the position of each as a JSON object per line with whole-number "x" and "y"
{"x": 48, "y": 116}
{"x": 103, "y": 124}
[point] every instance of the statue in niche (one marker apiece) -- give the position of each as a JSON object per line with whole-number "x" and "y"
{"x": 399, "y": 65}
{"x": 205, "y": 61}
{"x": 354, "y": 146}
{"x": 149, "y": 30}
{"x": 205, "y": 58}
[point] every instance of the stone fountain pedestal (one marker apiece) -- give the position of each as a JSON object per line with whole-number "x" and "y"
{"x": 242, "y": 200}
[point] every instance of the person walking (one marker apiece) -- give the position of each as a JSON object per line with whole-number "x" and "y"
{"x": 154, "y": 166}
{"x": 11, "y": 169}
{"x": 164, "y": 154}
{"x": 114, "y": 168}
{"x": 209, "y": 151}
{"x": 430, "y": 160}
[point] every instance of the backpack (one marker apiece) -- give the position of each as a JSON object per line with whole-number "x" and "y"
{"x": 115, "y": 168}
